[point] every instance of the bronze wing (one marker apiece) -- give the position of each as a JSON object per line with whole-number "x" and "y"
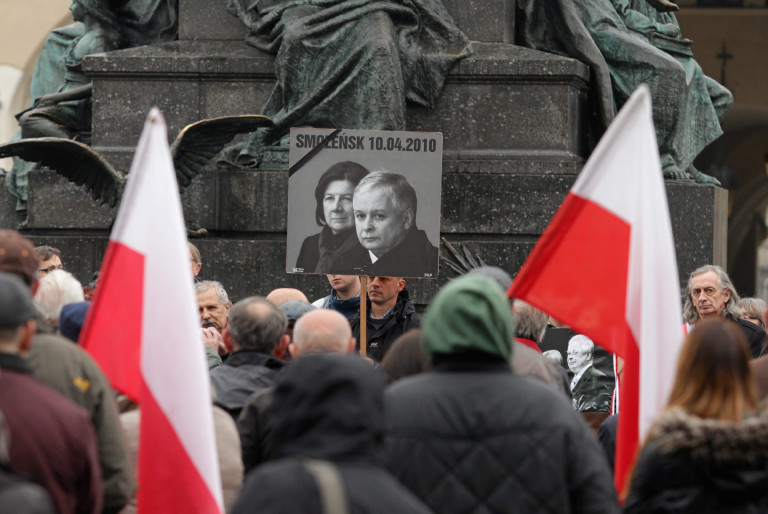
{"x": 77, "y": 162}
{"x": 199, "y": 142}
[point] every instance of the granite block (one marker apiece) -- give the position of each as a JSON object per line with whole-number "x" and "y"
{"x": 56, "y": 203}
{"x": 208, "y": 19}
{"x": 8, "y": 216}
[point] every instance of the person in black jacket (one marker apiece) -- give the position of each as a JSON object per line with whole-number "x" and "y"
{"x": 390, "y": 315}
{"x": 327, "y": 408}
{"x": 471, "y": 436}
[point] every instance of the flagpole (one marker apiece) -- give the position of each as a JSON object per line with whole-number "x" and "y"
{"x": 363, "y": 315}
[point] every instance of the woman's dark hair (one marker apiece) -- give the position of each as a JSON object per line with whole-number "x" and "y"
{"x": 346, "y": 170}
{"x": 406, "y": 357}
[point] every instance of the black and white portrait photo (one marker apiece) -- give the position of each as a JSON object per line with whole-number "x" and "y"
{"x": 591, "y": 389}
{"x": 590, "y": 369}
{"x": 366, "y": 203}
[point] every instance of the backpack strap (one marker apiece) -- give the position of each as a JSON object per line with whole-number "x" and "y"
{"x": 333, "y": 494}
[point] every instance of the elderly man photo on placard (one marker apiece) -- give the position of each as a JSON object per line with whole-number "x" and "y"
{"x": 384, "y": 206}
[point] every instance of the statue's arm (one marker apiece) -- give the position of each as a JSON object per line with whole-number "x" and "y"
{"x": 77, "y": 93}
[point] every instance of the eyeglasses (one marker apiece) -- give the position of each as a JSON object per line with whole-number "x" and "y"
{"x": 49, "y": 269}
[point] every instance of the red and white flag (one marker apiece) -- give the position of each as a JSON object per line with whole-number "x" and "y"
{"x": 606, "y": 267}
{"x": 144, "y": 331}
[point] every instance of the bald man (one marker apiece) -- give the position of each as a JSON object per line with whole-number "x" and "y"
{"x": 321, "y": 330}
{"x": 283, "y": 295}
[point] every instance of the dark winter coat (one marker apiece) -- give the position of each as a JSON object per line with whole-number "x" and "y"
{"x": 402, "y": 319}
{"x": 702, "y": 466}
{"x": 472, "y": 436}
{"x": 327, "y": 407}
{"x": 52, "y": 440}
{"x": 241, "y": 375}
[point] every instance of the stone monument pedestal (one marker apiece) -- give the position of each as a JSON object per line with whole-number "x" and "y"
{"x": 513, "y": 145}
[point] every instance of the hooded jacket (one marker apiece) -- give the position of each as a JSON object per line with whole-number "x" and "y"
{"x": 694, "y": 465}
{"x": 326, "y": 407}
{"x": 471, "y": 436}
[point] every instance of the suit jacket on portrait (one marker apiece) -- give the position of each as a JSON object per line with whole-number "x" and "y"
{"x": 413, "y": 257}
{"x": 592, "y": 393}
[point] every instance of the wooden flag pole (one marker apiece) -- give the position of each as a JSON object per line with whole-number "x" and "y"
{"x": 363, "y": 315}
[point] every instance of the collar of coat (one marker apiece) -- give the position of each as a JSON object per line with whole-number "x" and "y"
{"x": 714, "y": 441}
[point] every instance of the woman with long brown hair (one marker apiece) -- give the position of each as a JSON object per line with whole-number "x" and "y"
{"x": 708, "y": 451}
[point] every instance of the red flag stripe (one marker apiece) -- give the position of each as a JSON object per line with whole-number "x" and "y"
{"x": 583, "y": 255}
{"x": 121, "y": 294}
{"x": 159, "y": 437}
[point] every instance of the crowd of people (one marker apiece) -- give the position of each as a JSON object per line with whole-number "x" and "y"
{"x": 455, "y": 410}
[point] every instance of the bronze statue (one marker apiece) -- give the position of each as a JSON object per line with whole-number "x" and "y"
{"x": 627, "y": 43}
{"x": 348, "y": 63}
{"x": 62, "y": 93}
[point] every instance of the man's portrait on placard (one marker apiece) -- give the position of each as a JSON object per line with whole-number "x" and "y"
{"x": 385, "y": 207}
{"x": 590, "y": 387}
{"x": 590, "y": 368}
{"x": 367, "y": 203}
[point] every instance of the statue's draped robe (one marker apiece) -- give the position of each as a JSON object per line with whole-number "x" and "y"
{"x": 350, "y": 63}
{"x": 622, "y": 43}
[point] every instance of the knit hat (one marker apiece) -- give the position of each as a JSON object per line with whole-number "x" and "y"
{"x": 469, "y": 313}
{"x": 72, "y": 318}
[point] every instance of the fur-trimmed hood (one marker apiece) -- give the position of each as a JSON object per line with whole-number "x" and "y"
{"x": 720, "y": 443}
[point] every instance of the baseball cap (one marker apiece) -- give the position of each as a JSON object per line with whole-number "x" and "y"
{"x": 17, "y": 255}
{"x": 16, "y": 305}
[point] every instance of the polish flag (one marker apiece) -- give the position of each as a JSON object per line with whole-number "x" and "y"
{"x": 606, "y": 267}
{"x": 144, "y": 331}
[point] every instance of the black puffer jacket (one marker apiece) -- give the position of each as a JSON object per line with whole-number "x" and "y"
{"x": 327, "y": 407}
{"x": 402, "y": 319}
{"x": 472, "y": 436}
{"x": 693, "y": 465}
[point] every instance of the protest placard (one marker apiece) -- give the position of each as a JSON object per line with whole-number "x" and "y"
{"x": 364, "y": 202}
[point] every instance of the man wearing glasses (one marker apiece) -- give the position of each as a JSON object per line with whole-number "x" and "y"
{"x": 50, "y": 259}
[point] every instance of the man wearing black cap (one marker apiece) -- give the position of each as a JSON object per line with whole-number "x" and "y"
{"x": 68, "y": 369}
{"x": 52, "y": 439}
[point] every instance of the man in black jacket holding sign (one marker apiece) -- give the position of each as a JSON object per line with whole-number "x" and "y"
{"x": 390, "y": 314}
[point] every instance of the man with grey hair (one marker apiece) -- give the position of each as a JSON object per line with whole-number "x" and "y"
{"x": 213, "y": 304}
{"x": 384, "y": 206}
{"x": 256, "y": 334}
{"x": 321, "y": 330}
{"x": 710, "y": 295}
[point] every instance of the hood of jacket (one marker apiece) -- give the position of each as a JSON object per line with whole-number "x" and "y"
{"x": 714, "y": 443}
{"x": 469, "y": 314}
{"x": 328, "y": 406}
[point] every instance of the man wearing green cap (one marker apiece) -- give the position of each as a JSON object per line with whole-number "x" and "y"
{"x": 471, "y": 435}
